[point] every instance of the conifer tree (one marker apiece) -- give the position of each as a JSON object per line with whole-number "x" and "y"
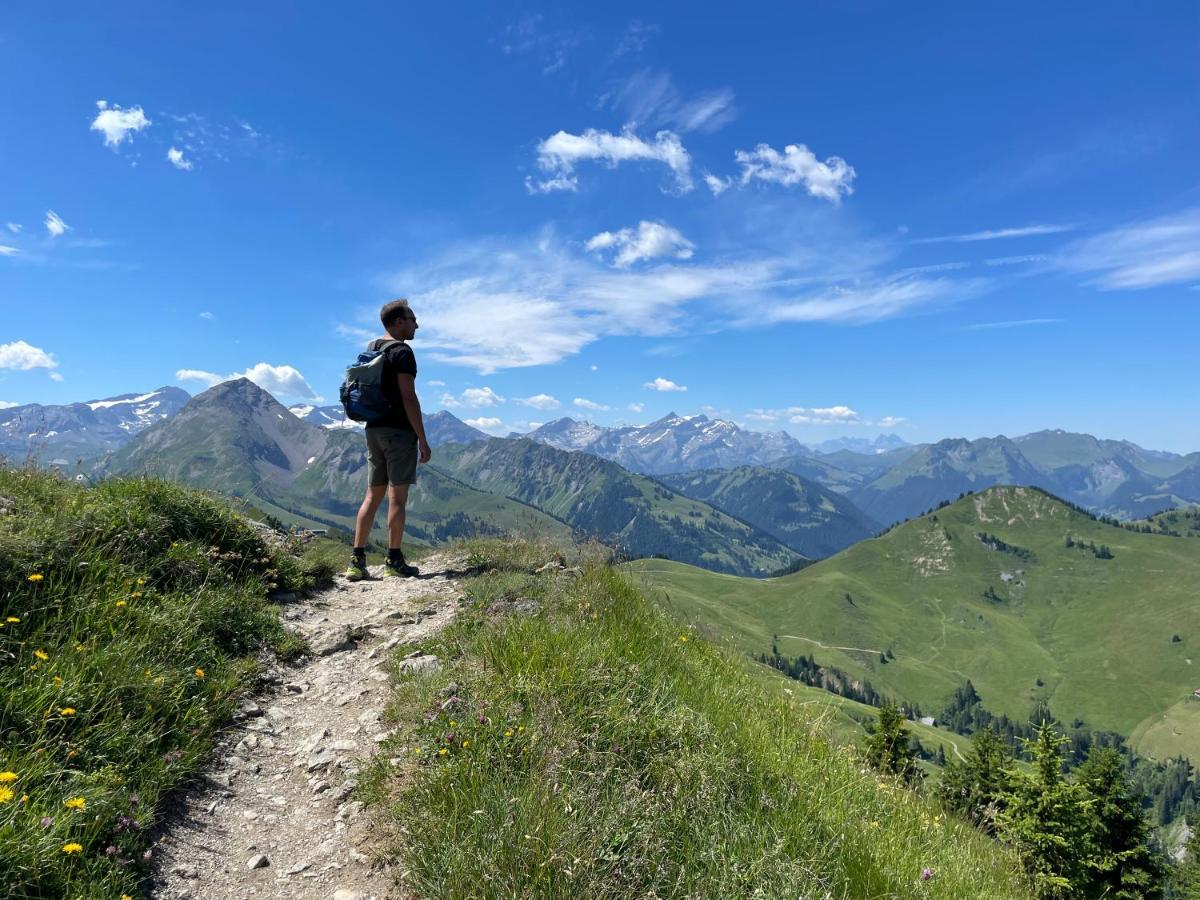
{"x": 1049, "y": 820}
{"x": 1125, "y": 864}
{"x": 1185, "y": 881}
{"x": 888, "y": 747}
{"x": 976, "y": 788}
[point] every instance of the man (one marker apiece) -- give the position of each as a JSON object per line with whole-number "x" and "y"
{"x": 394, "y": 444}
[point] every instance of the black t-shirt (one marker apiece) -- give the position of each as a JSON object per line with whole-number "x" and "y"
{"x": 397, "y": 360}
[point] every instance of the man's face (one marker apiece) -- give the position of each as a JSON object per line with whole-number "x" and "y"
{"x": 405, "y": 326}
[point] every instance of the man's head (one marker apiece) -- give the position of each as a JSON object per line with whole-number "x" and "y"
{"x": 398, "y": 320}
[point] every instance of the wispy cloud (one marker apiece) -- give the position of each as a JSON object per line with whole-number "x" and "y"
{"x": 489, "y": 424}
{"x": 497, "y": 304}
{"x": 637, "y": 35}
{"x": 117, "y": 124}
{"x": 1139, "y": 255}
{"x": 8, "y": 404}
{"x": 540, "y": 401}
{"x": 997, "y": 234}
{"x": 6, "y": 250}
{"x": 821, "y": 415}
{"x": 22, "y": 357}
{"x": 636, "y": 407}
{"x": 55, "y": 225}
{"x": 651, "y": 240}
{"x": 797, "y": 165}
{"x": 14, "y": 227}
{"x": 1017, "y": 260}
{"x": 531, "y": 36}
{"x": 650, "y": 98}
{"x": 283, "y": 380}
{"x": 663, "y": 384}
{"x": 1014, "y": 323}
{"x": 559, "y": 154}
{"x": 584, "y": 403}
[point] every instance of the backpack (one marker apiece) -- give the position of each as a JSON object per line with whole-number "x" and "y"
{"x": 362, "y": 391}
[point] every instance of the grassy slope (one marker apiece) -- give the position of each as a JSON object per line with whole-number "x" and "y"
{"x": 132, "y": 614}
{"x": 598, "y": 749}
{"x": 1097, "y": 632}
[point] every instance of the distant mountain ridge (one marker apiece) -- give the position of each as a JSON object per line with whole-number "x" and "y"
{"x": 84, "y": 430}
{"x": 441, "y": 427}
{"x": 673, "y": 443}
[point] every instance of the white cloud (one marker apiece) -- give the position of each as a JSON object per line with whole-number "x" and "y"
{"x": 436, "y": 383}
{"x": 583, "y": 403}
{"x": 595, "y": 368}
{"x": 651, "y": 241}
{"x": 486, "y": 423}
{"x": 891, "y": 421}
{"x": 650, "y": 98}
{"x": 828, "y": 415}
{"x": 56, "y": 376}
{"x": 55, "y": 225}
{"x": 636, "y": 407}
{"x": 23, "y": 357}
{"x": 8, "y": 404}
{"x": 355, "y": 333}
{"x": 14, "y": 227}
{"x": 175, "y": 158}
{"x": 998, "y": 234}
{"x": 6, "y": 250}
{"x": 449, "y": 401}
{"x": 551, "y": 46}
{"x": 637, "y": 35}
{"x": 1141, "y": 254}
{"x": 117, "y": 124}
{"x": 483, "y": 396}
{"x": 663, "y": 384}
{"x": 797, "y": 164}
{"x": 559, "y": 154}
{"x": 279, "y": 380}
{"x": 500, "y": 304}
{"x": 206, "y": 315}
{"x": 540, "y": 401}
{"x": 1017, "y": 260}
{"x": 718, "y": 186}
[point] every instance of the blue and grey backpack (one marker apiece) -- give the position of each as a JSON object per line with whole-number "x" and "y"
{"x": 362, "y": 391}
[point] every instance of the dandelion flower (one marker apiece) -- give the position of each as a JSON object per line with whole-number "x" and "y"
{"x": 72, "y": 848}
{"x": 41, "y": 654}
{"x": 508, "y": 733}
{"x": 57, "y": 681}
{"x": 8, "y": 777}
{"x": 35, "y": 577}
{"x": 6, "y": 794}
{"x": 136, "y": 594}
{"x": 141, "y": 581}
{"x": 120, "y": 603}
{"x": 13, "y": 620}
{"x": 466, "y": 744}
{"x": 75, "y": 803}
{"x": 199, "y": 672}
{"x": 67, "y": 711}
{"x": 443, "y": 752}
{"x": 79, "y": 648}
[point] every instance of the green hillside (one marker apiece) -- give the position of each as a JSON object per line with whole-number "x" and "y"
{"x": 600, "y": 499}
{"x": 813, "y": 521}
{"x": 1024, "y": 616}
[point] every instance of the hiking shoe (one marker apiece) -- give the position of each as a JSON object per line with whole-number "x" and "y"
{"x": 356, "y": 571}
{"x": 398, "y": 568}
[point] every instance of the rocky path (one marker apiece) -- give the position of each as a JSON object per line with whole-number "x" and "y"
{"x": 273, "y": 815}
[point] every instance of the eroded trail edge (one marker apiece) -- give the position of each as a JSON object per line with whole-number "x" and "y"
{"x": 273, "y": 814}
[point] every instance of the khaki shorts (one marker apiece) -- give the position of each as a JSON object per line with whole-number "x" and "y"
{"x": 391, "y": 456}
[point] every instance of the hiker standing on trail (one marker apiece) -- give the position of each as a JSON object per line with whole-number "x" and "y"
{"x": 380, "y": 390}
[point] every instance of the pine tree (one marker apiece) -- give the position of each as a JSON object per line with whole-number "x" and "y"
{"x": 976, "y": 787}
{"x": 1049, "y": 820}
{"x": 1185, "y": 881}
{"x": 1125, "y": 864}
{"x": 888, "y": 748}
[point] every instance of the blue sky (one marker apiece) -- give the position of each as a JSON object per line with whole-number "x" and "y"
{"x": 837, "y": 219}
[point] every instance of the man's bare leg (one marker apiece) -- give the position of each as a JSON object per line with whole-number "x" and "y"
{"x": 397, "y": 500}
{"x": 366, "y": 514}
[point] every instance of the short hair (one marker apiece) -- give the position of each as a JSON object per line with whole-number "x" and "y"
{"x": 393, "y": 310}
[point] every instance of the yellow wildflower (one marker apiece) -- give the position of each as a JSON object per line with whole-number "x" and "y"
{"x": 35, "y": 577}
{"x": 443, "y": 752}
{"x": 199, "y": 672}
{"x": 417, "y": 750}
{"x": 136, "y": 594}
{"x": 12, "y": 620}
{"x": 75, "y": 803}
{"x": 67, "y": 711}
{"x": 41, "y": 654}
{"x": 141, "y": 581}
{"x": 57, "y": 681}
{"x": 71, "y": 754}
{"x": 120, "y": 603}
{"x": 72, "y": 848}
{"x": 6, "y": 794}
{"x": 8, "y": 777}
{"x": 24, "y": 798}
{"x": 508, "y": 733}
{"x": 466, "y": 744}
{"x": 683, "y": 638}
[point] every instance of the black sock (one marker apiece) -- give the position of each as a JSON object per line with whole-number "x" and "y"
{"x": 360, "y": 552}
{"x": 395, "y": 555}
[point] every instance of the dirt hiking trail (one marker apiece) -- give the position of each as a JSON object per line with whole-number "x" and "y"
{"x": 272, "y": 815}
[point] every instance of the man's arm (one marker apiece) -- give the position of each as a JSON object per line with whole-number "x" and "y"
{"x": 412, "y": 406}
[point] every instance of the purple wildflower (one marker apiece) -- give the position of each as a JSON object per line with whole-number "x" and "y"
{"x": 47, "y": 821}
{"x": 926, "y": 873}
{"x": 134, "y": 800}
{"x": 110, "y": 850}
{"x": 148, "y": 855}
